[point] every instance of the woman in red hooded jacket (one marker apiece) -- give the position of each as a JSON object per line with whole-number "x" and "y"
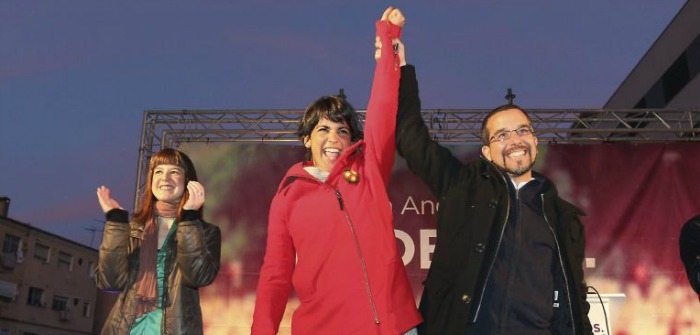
{"x": 330, "y": 229}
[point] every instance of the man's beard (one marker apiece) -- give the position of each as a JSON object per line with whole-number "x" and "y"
{"x": 520, "y": 169}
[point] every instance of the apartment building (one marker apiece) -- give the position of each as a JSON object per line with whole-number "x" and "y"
{"x": 46, "y": 282}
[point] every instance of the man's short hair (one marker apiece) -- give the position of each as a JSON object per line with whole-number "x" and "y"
{"x": 485, "y": 136}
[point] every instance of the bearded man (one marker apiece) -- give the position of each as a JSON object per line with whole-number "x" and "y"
{"x": 509, "y": 251}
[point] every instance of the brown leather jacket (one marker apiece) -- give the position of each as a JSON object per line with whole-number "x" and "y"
{"x": 192, "y": 262}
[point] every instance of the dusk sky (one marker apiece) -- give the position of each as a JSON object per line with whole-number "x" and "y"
{"x": 76, "y": 76}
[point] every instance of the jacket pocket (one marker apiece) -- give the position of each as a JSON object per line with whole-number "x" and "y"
{"x": 435, "y": 303}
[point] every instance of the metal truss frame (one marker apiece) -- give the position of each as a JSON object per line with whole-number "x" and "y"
{"x": 169, "y": 128}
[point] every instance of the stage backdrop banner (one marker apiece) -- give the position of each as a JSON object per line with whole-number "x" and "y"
{"x": 636, "y": 196}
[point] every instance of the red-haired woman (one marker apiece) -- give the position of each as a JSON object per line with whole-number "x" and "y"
{"x": 159, "y": 259}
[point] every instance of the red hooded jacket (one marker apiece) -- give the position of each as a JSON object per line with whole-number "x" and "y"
{"x": 334, "y": 241}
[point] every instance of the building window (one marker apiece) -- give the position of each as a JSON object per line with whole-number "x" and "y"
{"x": 65, "y": 260}
{"x": 86, "y": 309}
{"x": 11, "y": 244}
{"x": 8, "y": 291}
{"x": 59, "y": 303}
{"x": 41, "y": 252}
{"x": 676, "y": 78}
{"x": 681, "y": 72}
{"x": 91, "y": 269}
{"x": 693, "y": 55}
{"x": 35, "y": 297}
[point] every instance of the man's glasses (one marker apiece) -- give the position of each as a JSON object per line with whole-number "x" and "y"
{"x": 505, "y": 134}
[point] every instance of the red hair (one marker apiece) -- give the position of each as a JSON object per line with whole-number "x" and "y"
{"x": 164, "y": 156}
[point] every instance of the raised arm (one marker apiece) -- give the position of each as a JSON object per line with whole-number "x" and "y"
{"x": 433, "y": 163}
{"x": 112, "y": 270}
{"x": 380, "y": 121}
{"x": 198, "y": 242}
{"x": 198, "y": 250}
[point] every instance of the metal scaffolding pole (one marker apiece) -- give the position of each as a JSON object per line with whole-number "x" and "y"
{"x": 169, "y": 128}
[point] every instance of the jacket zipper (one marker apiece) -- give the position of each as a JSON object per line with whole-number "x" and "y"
{"x": 167, "y": 269}
{"x": 165, "y": 296}
{"x": 357, "y": 246}
{"x": 563, "y": 269}
{"x": 498, "y": 247}
{"x": 359, "y": 254}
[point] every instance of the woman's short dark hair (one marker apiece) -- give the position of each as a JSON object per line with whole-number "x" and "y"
{"x": 333, "y": 108}
{"x": 485, "y": 136}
